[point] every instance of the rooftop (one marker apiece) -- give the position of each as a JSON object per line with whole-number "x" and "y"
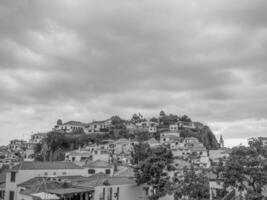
{"x": 98, "y": 164}
{"x": 101, "y": 180}
{"x": 26, "y": 165}
{"x": 152, "y": 141}
{"x": 39, "y": 184}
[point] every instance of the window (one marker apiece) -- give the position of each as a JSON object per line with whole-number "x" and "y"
{"x": 13, "y": 177}
{"x": 45, "y": 173}
{"x": 64, "y": 173}
{"x": 107, "y": 171}
{"x": 117, "y": 195}
{"x": 54, "y": 173}
{"x": 91, "y": 171}
{"x": 104, "y": 193}
{"x": 11, "y": 195}
{"x": 110, "y": 194}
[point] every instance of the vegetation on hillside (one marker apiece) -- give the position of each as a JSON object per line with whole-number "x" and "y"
{"x": 246, "y": 170}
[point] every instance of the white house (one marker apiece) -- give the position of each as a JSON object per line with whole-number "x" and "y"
{"x": 169, "y": 136}
{"x": 71, "y": 126}
{"x": 98, "y": 126}
{"x": 99, "y": 166}
{"x": 153, "y": 142}
{"x": 174, "y": 127}
{"x": 148, "y": 126}
{"x": 27, "y": 170}
{"x": 37, "y": 138}
{"x": 216, "y": 155}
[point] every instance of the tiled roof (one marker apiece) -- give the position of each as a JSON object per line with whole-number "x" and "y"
{"x": 128, "y": 172}
{"x": 39, "y": 184}
{"x": 101, "y": 180}
{"x": 98, "y": 164}
{"x": 45, "y": 165}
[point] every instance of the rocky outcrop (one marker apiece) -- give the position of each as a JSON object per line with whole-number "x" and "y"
{"x": 204, "y": 134}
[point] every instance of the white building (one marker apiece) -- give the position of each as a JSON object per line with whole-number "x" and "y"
{"x": 37, "y": 138}
{"x": 71, "y": 126}
{"x": 147, "y": 126}
{"x": 27, "y": 170}
{"x": 216, "y": 155}
{"x": 99, "y": 166}
{"x": 169, "y": 136}
{"x": 98, "y": 126}
{"x": 174, "y": 127}
{"x": 152, "y": 142}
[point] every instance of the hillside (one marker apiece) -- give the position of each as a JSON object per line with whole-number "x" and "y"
{"x": 204, "y": 134}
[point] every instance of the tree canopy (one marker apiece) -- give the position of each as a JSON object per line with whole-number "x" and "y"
{"x": 245, "y": 170}
{"x": 151, "y": 170}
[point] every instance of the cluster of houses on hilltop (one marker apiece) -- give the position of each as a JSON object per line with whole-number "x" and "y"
{"x": 18, "y": 150}
{"x": 99, "y": 171}
{"x": 100, "y": 127}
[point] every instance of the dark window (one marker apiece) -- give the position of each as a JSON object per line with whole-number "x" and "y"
{"x": 13, "y": 177}
{"x": 107, "y": 171}
{"x": 118, "y": 193}
{"x": 91, "y": 171}
{"x": 110, "y": 194}
{"x": 11, "y": 195}
{"x": 104, "y": 193}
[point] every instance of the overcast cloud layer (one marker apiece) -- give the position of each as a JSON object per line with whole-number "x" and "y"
{"x": 85, "y": 60}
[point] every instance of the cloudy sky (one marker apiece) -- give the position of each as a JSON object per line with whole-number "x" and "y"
{"x": 89, "y": 59}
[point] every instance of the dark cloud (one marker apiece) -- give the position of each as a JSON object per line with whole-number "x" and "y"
{"x": 89, "y": 59}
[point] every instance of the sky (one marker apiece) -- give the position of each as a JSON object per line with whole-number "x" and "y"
{"x": 88, "y": 60}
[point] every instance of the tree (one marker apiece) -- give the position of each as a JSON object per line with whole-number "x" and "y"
{"x": 245, "y": 170}
{"x": 194, "y": 185}
{"x": 154, "y": 119}
{"x": 151, "y": 171}
{"x": 137, "y": 118}
{"x": 117, "y": 122}
{"x": 142, "y": 136}
{"x": 140, "y": 152}
{"x": 185, "y": 118}
{"x": 51, "y": 143}
{"x": 162, "y": 114}
{"x": 59, "y": 122}
{"x": 256, "y": 144}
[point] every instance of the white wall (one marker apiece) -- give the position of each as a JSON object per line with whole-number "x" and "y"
{"x": 126, "y": 192}
{"x": 98, "y": 170}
